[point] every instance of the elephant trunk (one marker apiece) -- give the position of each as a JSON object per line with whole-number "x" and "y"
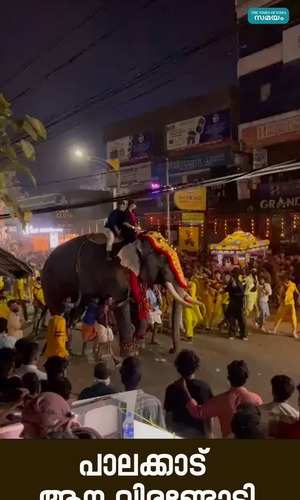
{"x": 177, "y": 294}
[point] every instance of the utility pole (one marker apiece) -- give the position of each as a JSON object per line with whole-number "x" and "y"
{"x": 116, "y": 190}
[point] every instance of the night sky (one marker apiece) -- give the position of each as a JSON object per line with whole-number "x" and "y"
{"x": 121, "y": 57}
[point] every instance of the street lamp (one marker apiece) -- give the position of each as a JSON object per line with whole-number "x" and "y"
{"x": 79, "y": 153}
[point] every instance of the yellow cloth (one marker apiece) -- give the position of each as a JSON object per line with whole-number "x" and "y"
{"x": 201, "y": 286}
{"x": 289, "y": 294}
{"x": 4, "y": 309}
{"x": 225, "y": 298}
{"x": 1, "y": 283}
{"x": 38, "y": 294}
{"x": 57, "y": 337}
{"x": 192, "y": 316}
{"x": 250, "y": 303}
{"x": 287, "y": 312}
{"x": 20, "y": 289}
{"x": 166, "y": 304}
{"x": 250, "y": 297}
{"x": 218, "y": 314}
{"x": 209, "y": 301}
{"x": 31, "y": 284}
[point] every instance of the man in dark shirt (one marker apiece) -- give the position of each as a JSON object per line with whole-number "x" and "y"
{"x": 102, "y": 386}
{"x": 235, "y": 310}
{"x": 130, "y": 226}
{"x": 178, "y": 418}
{"x": 114, "y": 225}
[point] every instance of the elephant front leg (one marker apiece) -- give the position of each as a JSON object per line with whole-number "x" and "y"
{"x": 125, "y": 329}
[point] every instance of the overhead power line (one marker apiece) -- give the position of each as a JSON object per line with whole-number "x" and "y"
{"x": 174, "y": 58}
{"x": 77, "y": 55}
{"x": 150, "y": 193}
{"x": 56, "y": 44}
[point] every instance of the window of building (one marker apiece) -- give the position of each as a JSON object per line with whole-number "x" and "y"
{"x": 265, "y": 92}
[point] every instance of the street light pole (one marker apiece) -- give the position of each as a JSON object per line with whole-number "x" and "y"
{"x": 168, "y": 202}
{"x": 117, "y": 189}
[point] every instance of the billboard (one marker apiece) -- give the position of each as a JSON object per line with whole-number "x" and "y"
{"x": 199, "y": 131}
{"x": 222, "y": 157}
{"x": 189, "y": 239}
{"x": 131, "y": 147}
{"x": 191, "y": 199}
{"x": 138, "y": 173}
{"x": 271, "y": 130}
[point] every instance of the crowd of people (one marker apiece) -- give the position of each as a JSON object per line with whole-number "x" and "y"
{"x": 235, "y": 298}
{"x": 38, "y": 399}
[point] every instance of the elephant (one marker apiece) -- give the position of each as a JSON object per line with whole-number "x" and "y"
{"x": 79, "y": 269}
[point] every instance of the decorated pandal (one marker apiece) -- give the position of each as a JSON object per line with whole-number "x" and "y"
{"x": 239, "y": 246}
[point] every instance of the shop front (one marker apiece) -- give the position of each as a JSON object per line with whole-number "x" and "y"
{"x": 279, "y": 135}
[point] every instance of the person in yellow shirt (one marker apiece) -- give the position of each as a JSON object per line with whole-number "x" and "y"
{"x": 19, "y": 291}
{"x": 4, "y": 309}
{"x": 209, "y": 302}
{"x": 38, "y": 293}
{"x": 218, "y": 313}
{"x": 39, "y": 304}
{"x": 192, "y": 316}
{"x": 2, "y": 283}
{"x": 57, "y": 337}
{"x": 287, "y": 310}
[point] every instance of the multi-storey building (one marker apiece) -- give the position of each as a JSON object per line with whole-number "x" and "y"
{"x": 268, "y": 73}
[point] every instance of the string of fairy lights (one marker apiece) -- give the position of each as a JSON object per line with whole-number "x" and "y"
{"x": 262, "y": 226}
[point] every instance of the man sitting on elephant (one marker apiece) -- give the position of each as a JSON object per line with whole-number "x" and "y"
{"x": 114, "y": 225}
{"x": 130, "y": 226}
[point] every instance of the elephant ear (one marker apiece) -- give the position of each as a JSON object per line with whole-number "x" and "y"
{"x": 129, "y": 257}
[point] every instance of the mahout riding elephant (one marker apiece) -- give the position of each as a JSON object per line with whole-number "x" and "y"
{"x": 79, "y": 269}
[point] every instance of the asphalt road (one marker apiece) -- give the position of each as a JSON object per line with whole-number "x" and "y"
{"x": 265, "y": 354}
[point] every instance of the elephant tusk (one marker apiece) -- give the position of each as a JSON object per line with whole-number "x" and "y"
{"x": 186, "y": 296}
{"x": 191, "y": 300}
{"x": 176, "y": 295}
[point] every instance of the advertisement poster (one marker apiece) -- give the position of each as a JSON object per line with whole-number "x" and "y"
{"x": 189, "y": 239}
{"x": 193, "y": 218}
{"x": 120, "y": 148}
{"x": 132, "y": 147}
{"x": 191, "y": 199}
{"x": 198, "y": 131}
{"x": 202, "y": 161}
